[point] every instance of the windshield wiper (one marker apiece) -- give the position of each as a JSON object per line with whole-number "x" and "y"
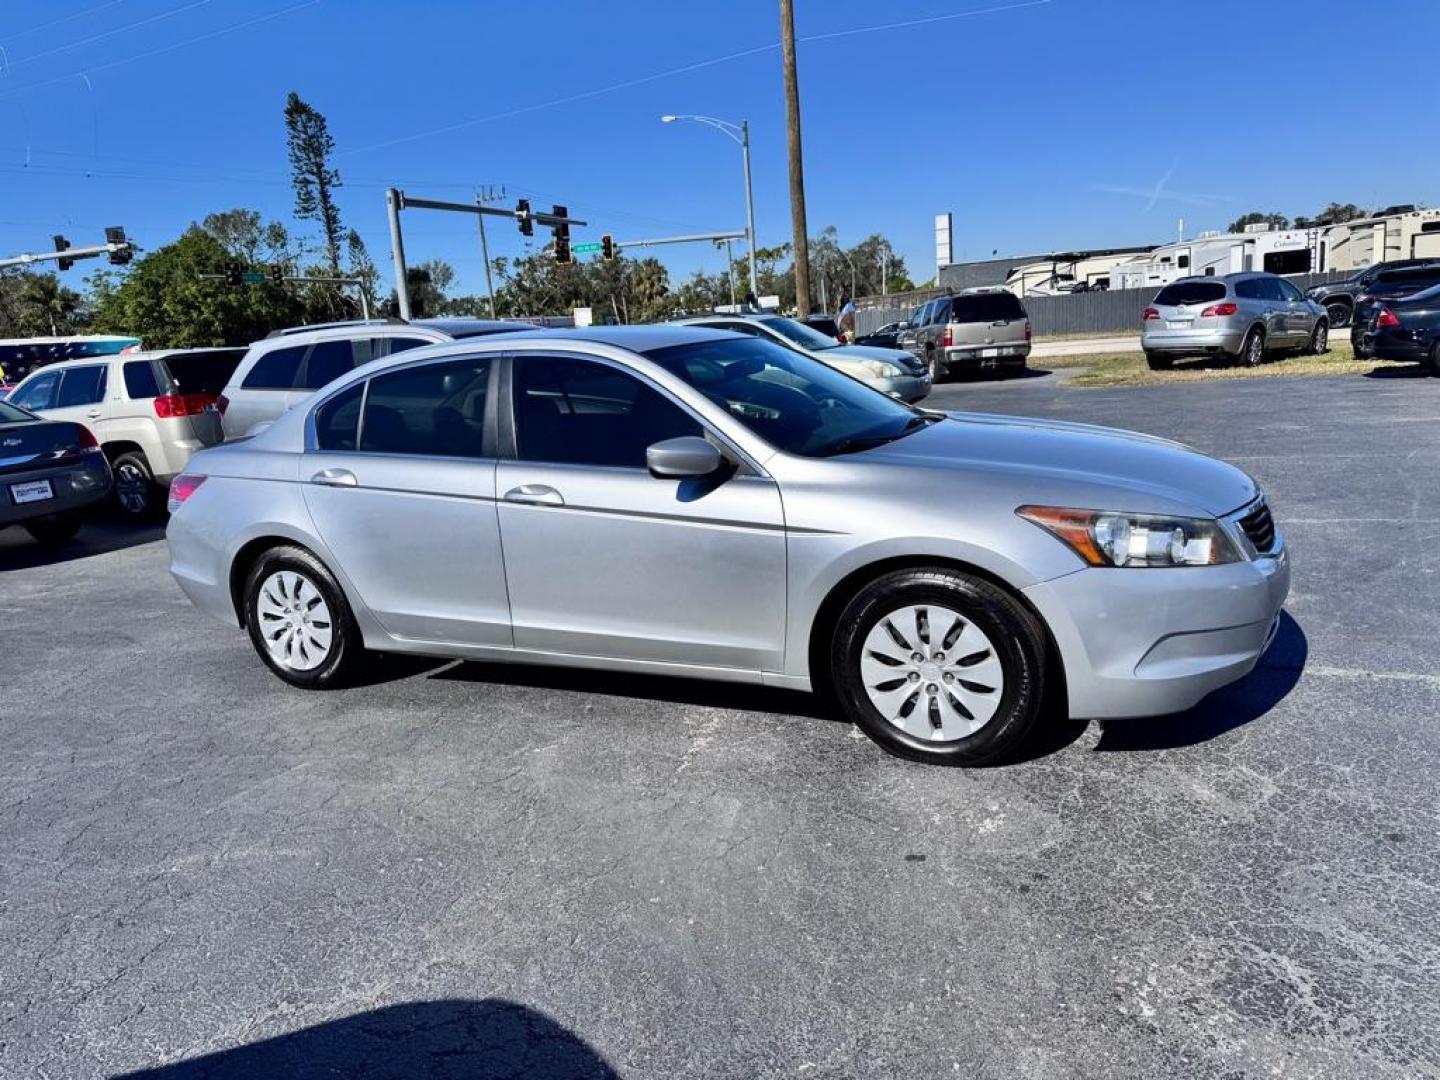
{"x": 868, "y": 442}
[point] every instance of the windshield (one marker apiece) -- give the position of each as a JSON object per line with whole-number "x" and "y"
{"x": 794, "y": 403}
{"x": 804, "y": 336}
{"x": 9, "y": 414}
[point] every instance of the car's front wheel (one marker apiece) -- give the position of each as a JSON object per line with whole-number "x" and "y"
{"x": 299, "y": 621}
{"x": 1435, "y": 358}
{"x": 940, "y": 666}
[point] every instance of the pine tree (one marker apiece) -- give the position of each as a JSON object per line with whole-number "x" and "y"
{"x": 310, "y": 145}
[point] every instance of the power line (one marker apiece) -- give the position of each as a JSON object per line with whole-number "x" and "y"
{"x": 63, "y": 19}
{"x": 111, "y": 33}
{"x": 163, "y": 49}
{"x": 683, "y": 69}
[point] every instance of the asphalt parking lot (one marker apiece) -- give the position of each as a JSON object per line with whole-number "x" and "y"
{"x": 482, "y": 871}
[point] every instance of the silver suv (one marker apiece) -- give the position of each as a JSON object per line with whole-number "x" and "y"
{"x": 1238, "y": 316}
{"x": 148, "y": 411}
{"x": 980, "y": 329}
{"x": 290, "y": 365}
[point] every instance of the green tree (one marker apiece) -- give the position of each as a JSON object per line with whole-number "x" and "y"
{"x": 362, "y": 266}
{"x": 163, "y": 301}
{"x": 38, "y": 304}
{"x": 308, "y": 140}
{"x": 1255, "y": 217}
{"x": 1334, "y": 214}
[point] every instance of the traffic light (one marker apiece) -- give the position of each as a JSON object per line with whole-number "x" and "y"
{"x": 277, "y": 275}
{"x": 123, "y": 251}
{"x": 522, "y": 214}
{"x": 562, "y": 235}
{"x": 61, "y": 244}
{"x": 234, "y": 274}
{"x": 607, "y": 248}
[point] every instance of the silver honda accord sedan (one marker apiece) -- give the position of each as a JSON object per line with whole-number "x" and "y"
{"x": 680, "y": 501}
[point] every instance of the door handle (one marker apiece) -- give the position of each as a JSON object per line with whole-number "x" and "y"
{"x": 93, "y": 414}
{"x": 334, "y": 478}
{"x": 535, "y": 495}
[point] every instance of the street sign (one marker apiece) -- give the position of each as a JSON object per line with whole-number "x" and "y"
{"x": 584, "y": 249}
{"x": 254, "y": 277}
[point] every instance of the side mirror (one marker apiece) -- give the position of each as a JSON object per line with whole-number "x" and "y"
{"x": 685, "y": 458}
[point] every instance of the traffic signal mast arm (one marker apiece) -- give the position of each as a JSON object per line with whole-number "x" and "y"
{"x": 67, "y": 255}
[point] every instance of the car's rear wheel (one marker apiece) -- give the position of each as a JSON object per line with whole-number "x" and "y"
{"x": 1435, "y": 358}
{"x": 1338, "y": 314}
{"x": 938, "y": 370}
{"x": 136, "y": 492}
{"x": 54, "y": 530}
{"x": 1252, "y": 352}
{"x": 1159, "y": 361}
{"x": 1319, "y": 339}
{"x": 299, "y": 621}
{"x": 940, "y": 666}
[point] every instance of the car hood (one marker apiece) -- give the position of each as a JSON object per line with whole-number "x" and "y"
{"x": 1082, "y": 454}
{"x": 871, "y": 352}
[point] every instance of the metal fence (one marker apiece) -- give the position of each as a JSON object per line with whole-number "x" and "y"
{"x": 1114, "y": 312}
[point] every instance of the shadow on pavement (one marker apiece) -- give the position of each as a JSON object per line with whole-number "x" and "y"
{"x": 455, "y": 1040}
{"x": 98, "y": 536}
{"x": 719, "y": 695}
{"x": 1227, "y": 708}
{"x": 1400, "y": 369}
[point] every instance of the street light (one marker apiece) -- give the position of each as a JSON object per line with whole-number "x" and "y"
{"x": 741, "y": 134}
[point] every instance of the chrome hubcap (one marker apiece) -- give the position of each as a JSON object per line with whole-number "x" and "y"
{"x": 130, "y": 485}
{"x": 931, "y": 673}
{"x": 1322, "y": 336}
{"x": 294, "y": 621}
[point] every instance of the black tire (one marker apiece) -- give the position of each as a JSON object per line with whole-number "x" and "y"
{"x": 347, "y": 650}
{"x": 55, "y": 530}
{"x": 1019, "y": 644}
{"x": 938, "y": 371}
{"x": 1159, "y": 361}
{"x": 1435, "y": 358}
{"x": 1252, "y": 349}
{"x": 1319, "y": 343}
{"x": 137, "y": 495}
{"x": 1338, "y": 313}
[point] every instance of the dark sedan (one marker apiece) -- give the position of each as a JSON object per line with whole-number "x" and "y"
{"x": 1387, "y": 287}
{"x": 1405, "y": 328}
{"x": 886, "y": 337}
{"x": 52, "y": 474}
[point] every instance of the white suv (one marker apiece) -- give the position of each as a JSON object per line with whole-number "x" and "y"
{"x": 290, "y": 365}
{"x": 149, "y": 411}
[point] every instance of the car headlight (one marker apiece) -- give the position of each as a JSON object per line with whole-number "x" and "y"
{"x": 883, "y": 369}
{"x": 1113, "y": 538}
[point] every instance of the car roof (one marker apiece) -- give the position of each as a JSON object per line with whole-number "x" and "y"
{"x": 460, "y": 327}
{"x": 638, "y": 339}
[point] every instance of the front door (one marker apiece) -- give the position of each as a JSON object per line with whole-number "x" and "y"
{"x": 603, "y": 559}
{"x": 400, "y": 482}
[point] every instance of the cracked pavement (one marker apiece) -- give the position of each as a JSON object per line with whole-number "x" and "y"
{"x": 667, "y": 879}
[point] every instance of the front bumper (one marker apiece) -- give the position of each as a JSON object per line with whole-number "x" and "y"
{"x": 75, "y": 487}
{"x": 907, "y": 388}
{"x": 1389, "y": 344}
{"x": 1147, "y": 642}
{"x": 1193, "y": 342}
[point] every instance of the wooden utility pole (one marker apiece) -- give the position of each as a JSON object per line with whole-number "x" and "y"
{"x": 797, "y": 166}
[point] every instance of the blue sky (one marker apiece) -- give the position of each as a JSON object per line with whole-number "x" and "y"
{"x": 1022, "y": 121}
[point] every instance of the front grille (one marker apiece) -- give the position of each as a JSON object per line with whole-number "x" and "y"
{"x": 1259, "y": 528}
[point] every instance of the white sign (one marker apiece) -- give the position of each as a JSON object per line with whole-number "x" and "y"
{"x": 584, "y": 316}
{"x": 944, "y": 249}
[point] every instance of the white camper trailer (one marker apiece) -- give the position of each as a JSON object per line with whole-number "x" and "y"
{"x": 1276, "y": 251}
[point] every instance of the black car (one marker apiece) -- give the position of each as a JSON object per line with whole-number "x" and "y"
{"x": 1338, "y": 297}
{"x": 825, "y": 325}
{"x": 885, "y": 337}
{"x": 1388, "y": 286}
{"x": 1405, "y": 328}
{"x": 52, "y": 474}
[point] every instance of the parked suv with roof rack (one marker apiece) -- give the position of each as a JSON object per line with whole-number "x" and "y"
{"x": 292, "y": 363}
{"x": 1240, "y": 317}
{"x": 979, "y": 329}
{"x": 148, "y": 411}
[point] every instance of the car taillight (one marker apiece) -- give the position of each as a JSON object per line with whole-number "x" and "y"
{"x": 1029, "y": 330}
{"x": 221, "y": 404}
{"x": 171, "y": 405}
{"x": 1226, "y": 308}
{"x": 181, "y": 488}
{"x": 948, "y": 338}
{"x": 87, "y": 439}
{"x": 1148, "y": 314}
{"x": 1386, "y": 318}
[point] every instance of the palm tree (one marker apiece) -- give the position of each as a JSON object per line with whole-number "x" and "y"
{"x": 51, "y": 303}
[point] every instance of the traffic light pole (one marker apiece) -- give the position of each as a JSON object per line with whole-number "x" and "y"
{"x": 69, "y": 253}
{"x": 697, "y": 238}
{"x": 396, "y": 200}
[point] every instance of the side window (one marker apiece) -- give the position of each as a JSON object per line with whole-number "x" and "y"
{"x": 431, "y": 409}
{"x": 400, "y": 344}
{"x": 1248, "y": 289}
{"x": 278, "y": 369}
{"x": 363, "y": 350}
{"x": 739, "y": 327}
{"x": 328, "y": 360}
{"x": 140, "y": 381}
{"x": 38, "y": 393}
{"x": 337, "y": 421}
{"x": 1288, "y": 291}
{"x": 1270, "y": 289}
{"x": 578, "y": 412}
{"x": 81, "y": 386}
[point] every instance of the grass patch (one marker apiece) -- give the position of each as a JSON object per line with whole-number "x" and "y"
{"x": 1129, "y": 369}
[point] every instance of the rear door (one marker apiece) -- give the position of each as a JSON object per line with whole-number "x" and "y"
{"x": 399, "y": 477}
